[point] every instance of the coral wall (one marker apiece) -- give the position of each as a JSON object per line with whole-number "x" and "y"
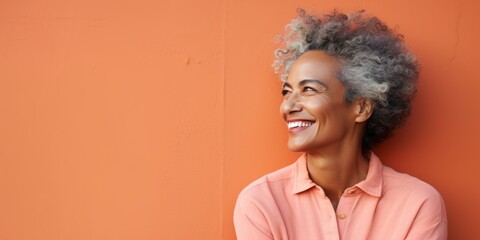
{"x": 144, "y": 119}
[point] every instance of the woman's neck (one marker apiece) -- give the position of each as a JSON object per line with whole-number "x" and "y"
{"x": 336, "y": 171}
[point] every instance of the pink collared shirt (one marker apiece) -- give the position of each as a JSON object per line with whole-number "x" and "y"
{"x": 287, "y": 205}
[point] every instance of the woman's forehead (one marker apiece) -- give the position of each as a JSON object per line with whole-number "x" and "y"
{"x": 313, "y": 65}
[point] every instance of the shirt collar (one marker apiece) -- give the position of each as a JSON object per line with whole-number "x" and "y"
{"x": 372, "y": 184}
{"x": 374, "y": 181}
{"x": 302, "y": 179}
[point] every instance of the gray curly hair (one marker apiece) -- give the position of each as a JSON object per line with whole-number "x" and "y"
{"x": 376, "y": 64}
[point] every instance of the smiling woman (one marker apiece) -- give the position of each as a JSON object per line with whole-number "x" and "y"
{"x": 348, "y": 81}
{"x": 314, "y": 98}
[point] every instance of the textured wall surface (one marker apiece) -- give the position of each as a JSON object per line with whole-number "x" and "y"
{"x": 144, "y": 119}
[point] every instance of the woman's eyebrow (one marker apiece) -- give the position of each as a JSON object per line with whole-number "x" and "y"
{"x": 286, "y": 84}
{"x": 305, "y": 81}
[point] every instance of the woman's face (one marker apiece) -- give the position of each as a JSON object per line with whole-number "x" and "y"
{"x": 314, "y": 106}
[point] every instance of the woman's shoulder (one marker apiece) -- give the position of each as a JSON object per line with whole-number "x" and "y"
{"x": 412, "y": 192}
{"x": 414, "y": 202}
{"x": 404, "y": 183}
{"x": 277, "y": 177}
{"x": 257, "y": 204}
{"x": 268, "y": 186}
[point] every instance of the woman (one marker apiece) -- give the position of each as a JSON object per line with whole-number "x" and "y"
{"x": 348, "y": 82}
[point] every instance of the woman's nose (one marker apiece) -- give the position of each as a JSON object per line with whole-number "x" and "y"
{"x": 291, "y": 104}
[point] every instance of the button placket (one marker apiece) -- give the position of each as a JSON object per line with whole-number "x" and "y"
{"x": 344, "y": 209}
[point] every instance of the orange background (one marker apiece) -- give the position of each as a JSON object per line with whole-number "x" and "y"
{"x": 144, "y": 119}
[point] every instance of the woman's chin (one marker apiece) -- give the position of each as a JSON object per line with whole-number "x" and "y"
{"x": 296, "y": 147}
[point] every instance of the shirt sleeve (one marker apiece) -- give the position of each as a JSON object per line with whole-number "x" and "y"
{"x": 250, "y": 223}
{"x": 431, "y": 220}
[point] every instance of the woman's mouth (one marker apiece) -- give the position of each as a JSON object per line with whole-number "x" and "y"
{"x": 300, "y": 125}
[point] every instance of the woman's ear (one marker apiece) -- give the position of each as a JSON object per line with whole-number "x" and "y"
{"x": 364, "y": 109}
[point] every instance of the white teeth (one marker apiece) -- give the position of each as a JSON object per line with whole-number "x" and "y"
{"x": 299, "y": 124}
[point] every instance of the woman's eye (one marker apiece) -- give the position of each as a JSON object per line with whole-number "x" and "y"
{"x": 285, "y": 92}
{"x": 309, "y": 89}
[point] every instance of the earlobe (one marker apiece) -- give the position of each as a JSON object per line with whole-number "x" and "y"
{"x": 364, "y": 109}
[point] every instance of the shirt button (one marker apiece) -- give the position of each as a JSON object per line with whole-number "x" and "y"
{"x": 342, "y": 216}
